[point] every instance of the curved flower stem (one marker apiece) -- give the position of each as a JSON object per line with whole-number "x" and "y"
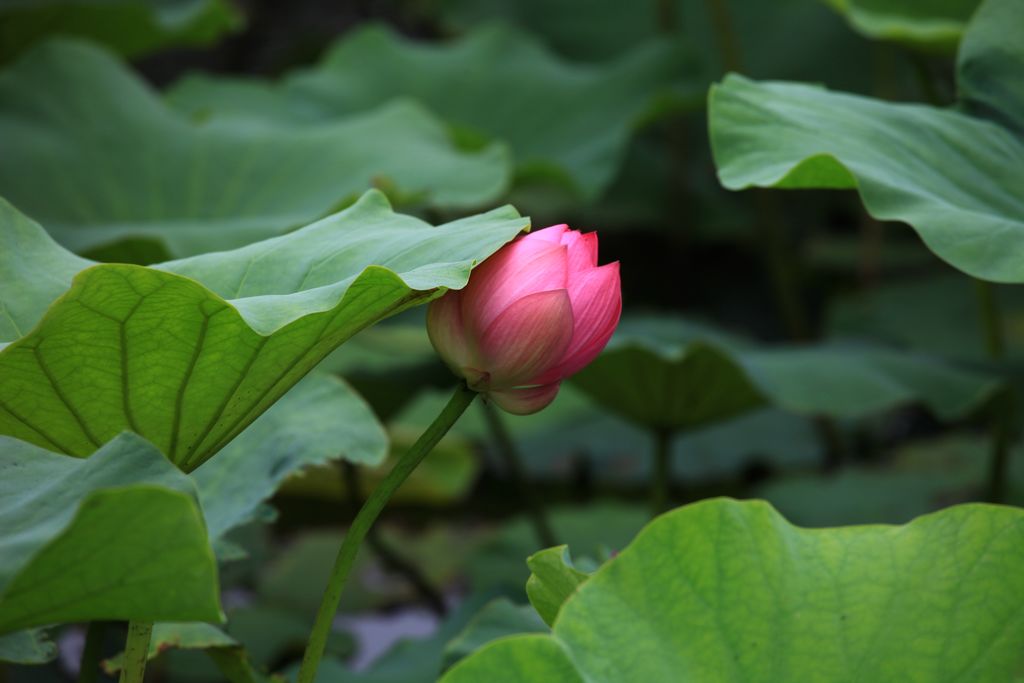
{"x": 89, "y": 664}
{"x": 661, "y": 481}
{"x": 389, "y": 557}
{"x": 514, "y": 467}
{"x": 136, "y": 651}
{"x": 457, "y": 405}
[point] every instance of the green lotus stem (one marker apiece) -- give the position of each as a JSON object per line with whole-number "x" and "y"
{"x": 514, "y": 466}
{"x": 661, "y": 481}
{"x": 1002, "y": 416}
{"x": 136, "y": 651}
{"x": 991, "y": 319}
{"x": 1002, "y": 408}
{"x": 89, "y": 664}
{"x": 390, "y": 558}
{"x": 725, "y": 34}
{"x": 666, "y": 10}
{"x": 368, "y": 513}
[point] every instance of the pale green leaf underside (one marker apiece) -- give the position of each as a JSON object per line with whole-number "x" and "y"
{"x": 666, "y": 374}
{"x": 95, "y": 155}
{"x": 570, "y": 120}
{"x": 189, "y": 352}
{"x": 132, "y": 27}
{"x": 27, "y": 647}
{"x": 955, "y": 177}
{"x": 749, "y": 598}
{"x": 115, "y": 536}
{"x": 936, "y": 25}
{"x": 319, "y": 419}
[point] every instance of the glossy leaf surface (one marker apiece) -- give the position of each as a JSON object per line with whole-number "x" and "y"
{"x": 97, "y": 157}
{"x": 563, "y": 120}
{"x": 955, "y": 175}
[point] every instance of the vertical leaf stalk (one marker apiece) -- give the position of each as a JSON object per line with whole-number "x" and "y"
{"x": 661, "y": 481}
{"x": 506, "y": 448}
{"x": 89, "y": 664}
{"x": 391, "y": 559}
{"x": 136, "y": 651}
{"x": 368, "y": 514}
{"x": 1003, "y": 405}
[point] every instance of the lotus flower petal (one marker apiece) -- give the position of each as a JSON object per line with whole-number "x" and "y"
{"x": 551, "y": 234}
{"x": 526, "y": 400}
{"x": 533, "y": 314}
{"x": 446, "y": 332}
{"x": 596, "y": 297}
{"x": 521, "y": 268}
{"x": 527, "y": 339}
{"x": 582, "y": 250}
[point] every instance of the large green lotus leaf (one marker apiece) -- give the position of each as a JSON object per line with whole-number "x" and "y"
{"x": 921, "y": 23}
{"x": 667, "y": 374}
{"x": 955, "y": 176}
{"x": 190, "y": 352}
{"x": 94, "y": 154}
{"x": 118, "y": 535}
{"x": 729, "y": 591}
{"x": 318, "y": 420}
{"x": 936, "y": 315}
{"x": 602, "y": 29}
{"x": 566, "y": 121}
{"x": 130, "y": 27}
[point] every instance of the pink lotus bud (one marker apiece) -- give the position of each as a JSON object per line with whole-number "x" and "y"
{"x": 534, "y": 313}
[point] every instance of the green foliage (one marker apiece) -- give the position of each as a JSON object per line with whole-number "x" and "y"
{"x": 917, "y": 478}
{"x": 187, "y": 636}
{"x": 669, "y": 374}
{"x": 497, "y": 619}
{"x": 598, "y": 30}
{"x": 96, "y": 156}
{"x": 906, "y": 314}
{"x": 748, "y": 597}
{"x": 319, "y": 420}
{"x": 443, "y": 478}
{"x": 27, "y": 647}
{"x": 927, "y": 25}
{"x": 131, "y": 27}
{"x": 952, "y": 174}
{"x": 553, "y": 580}
{"x": 188, "y": 353}
{"x": 567, "y": 123}
{"x": 118, "y": 535}
{"x": 593, "y": 531}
